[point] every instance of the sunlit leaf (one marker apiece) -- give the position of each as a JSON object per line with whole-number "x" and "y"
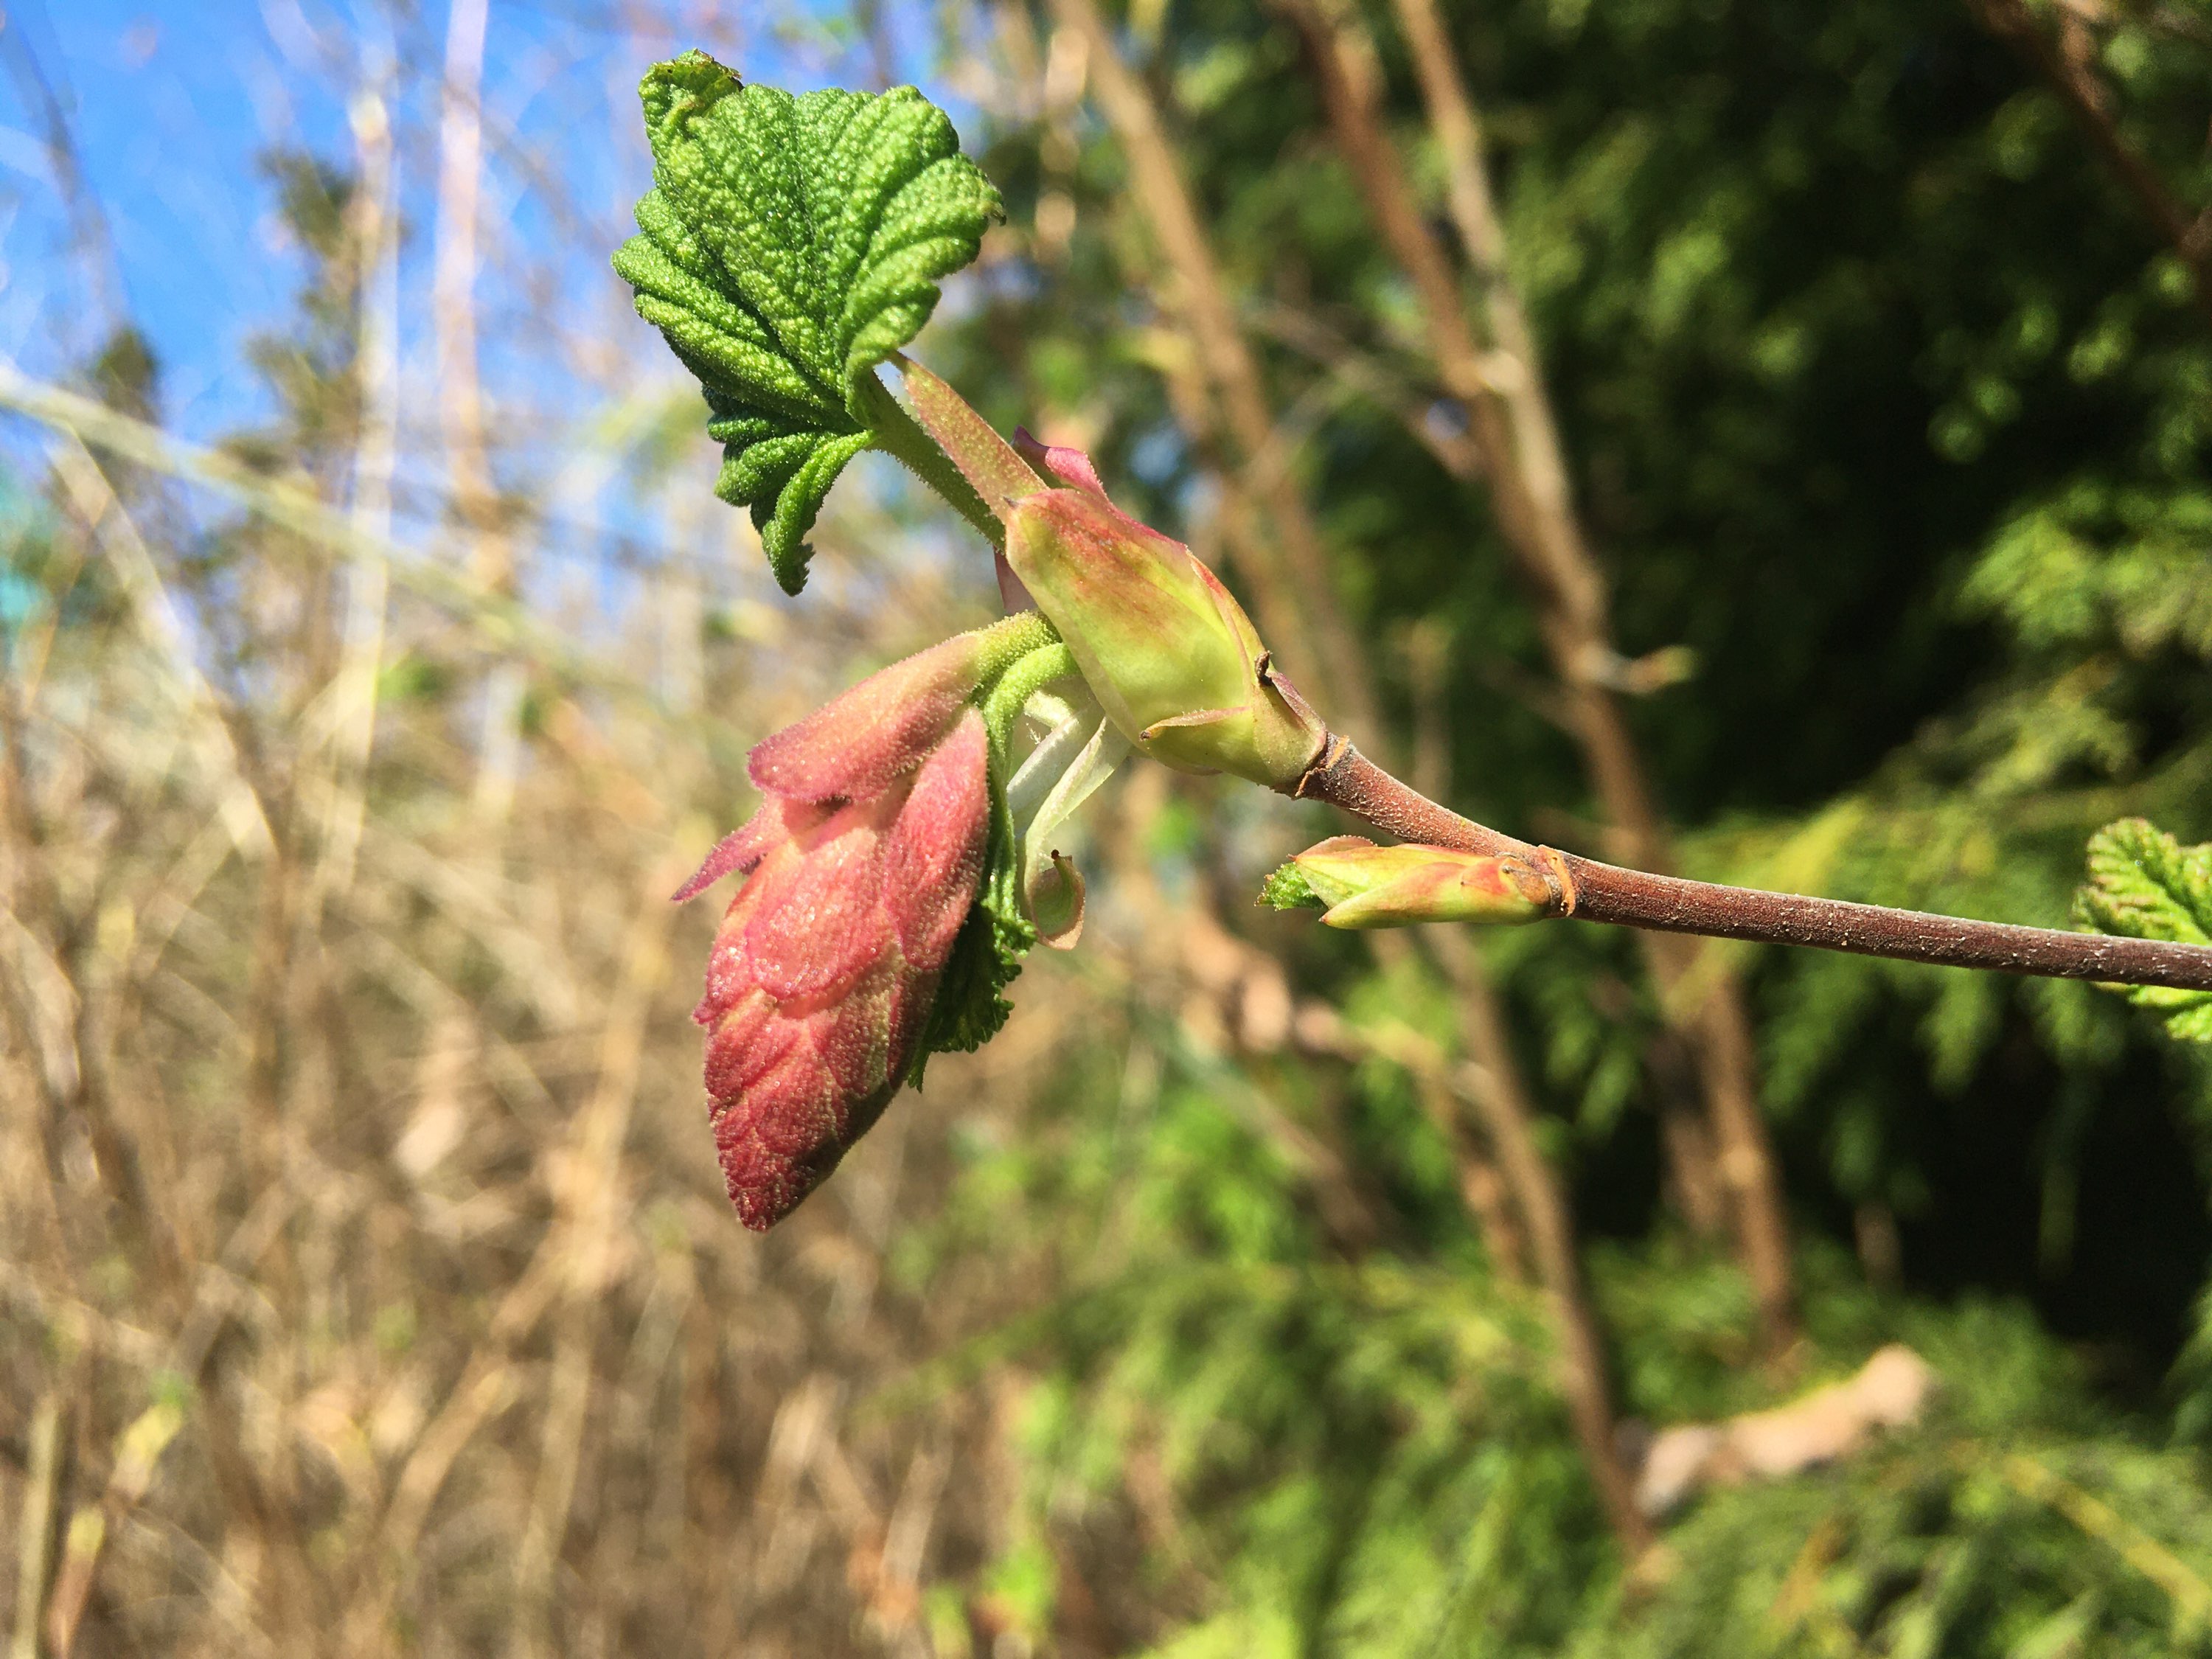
{"x": 2145, "y": 884}
{"x": 789, "y": 245}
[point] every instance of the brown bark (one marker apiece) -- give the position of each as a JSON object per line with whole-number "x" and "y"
{"x": 1510, "y": 418}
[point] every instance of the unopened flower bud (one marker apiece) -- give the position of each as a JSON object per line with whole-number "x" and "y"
{"x": 1167, "y": 651}
{"x": 1358, "y": 885}
{"x": 861, "y": 867}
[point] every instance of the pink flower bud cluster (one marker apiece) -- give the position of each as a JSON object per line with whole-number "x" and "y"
{"x": 860, "y": 866}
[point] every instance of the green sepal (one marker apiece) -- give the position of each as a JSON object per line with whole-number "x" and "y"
{"x": 789, "y": 246}
{"x": 2143, "y": 883}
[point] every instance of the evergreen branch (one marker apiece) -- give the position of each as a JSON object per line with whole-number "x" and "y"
{"x": 2066, "y": 69}
{"x": 1591, "y": 891}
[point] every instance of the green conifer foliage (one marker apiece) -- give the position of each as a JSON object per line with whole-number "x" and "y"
{"x": 1883, "y": 398}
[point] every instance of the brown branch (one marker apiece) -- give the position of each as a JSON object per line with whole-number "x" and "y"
{"x": 2066, "y": 69}
{"x": 1509, "y": 1118}
{"x": 1500, "y": 382}
{"x": 1590, "y": 891}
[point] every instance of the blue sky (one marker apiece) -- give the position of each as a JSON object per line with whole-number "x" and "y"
{"x": 170, "y": 102}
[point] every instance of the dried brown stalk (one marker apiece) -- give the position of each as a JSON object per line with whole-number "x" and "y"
{"x": 589, "y": 1223}
{"x": 1163, "y": 197}
{"x": 1289, "y": 575}
{"x": 373, "y": 1355}
{"x": 137, "y": 1454}
{"x": 1510, "y": 419}
{"x": 460, "y": 392}
{"x": 2068, "y": 66}
{"x": 1509, "y": 1119}
{"x": 34, "y": 1523}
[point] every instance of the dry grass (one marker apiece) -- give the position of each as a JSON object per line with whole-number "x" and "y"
{"x": 365, "y": 1275}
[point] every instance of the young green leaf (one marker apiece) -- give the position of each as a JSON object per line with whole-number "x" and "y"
{"x": 1287, "y": 889}
{"x": 789, "y": 245}
{"x": 971, "y": 1005}
{"x": 2145, "y": 884}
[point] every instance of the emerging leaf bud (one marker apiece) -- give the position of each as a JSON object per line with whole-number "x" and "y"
{"x": 1357, "y": 884}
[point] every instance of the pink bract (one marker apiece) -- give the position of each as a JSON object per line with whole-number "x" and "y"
{"x": 861, "y": 865}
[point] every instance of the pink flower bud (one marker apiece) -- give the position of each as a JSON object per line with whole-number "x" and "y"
{"x": 860, "y": 866}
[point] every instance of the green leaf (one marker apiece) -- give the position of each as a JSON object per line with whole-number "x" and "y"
{"x": 1287, "y": 889}
{"x": 971, "y": 1005}
{"x": 2145, "y": 884}
{"x": 986, "y": 958}
{"x": 789, "y": 245}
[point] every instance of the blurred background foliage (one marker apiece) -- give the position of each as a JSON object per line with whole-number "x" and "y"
{"x": 380, "y": 661}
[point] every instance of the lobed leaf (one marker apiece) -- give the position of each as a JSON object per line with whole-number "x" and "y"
{"x": 2145, "y": 884}
{"x": 787, "y": 246}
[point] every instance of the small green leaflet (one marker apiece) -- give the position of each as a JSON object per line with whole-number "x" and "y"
{"x": 986, "y": 958}
{"x": 1287, "y": 889}
{"x": 789, "y": 245}
{"x": 2146, "y": 884}
{"x": 971, "y": 1003}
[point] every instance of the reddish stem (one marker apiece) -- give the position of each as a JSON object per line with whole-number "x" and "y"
{"x": 1634, "y": 898}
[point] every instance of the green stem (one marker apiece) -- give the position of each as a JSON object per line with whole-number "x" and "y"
{"x": 1006, "y": 642}
{"x": 898, "y": 435}
{"x": 1026, "y": 675}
